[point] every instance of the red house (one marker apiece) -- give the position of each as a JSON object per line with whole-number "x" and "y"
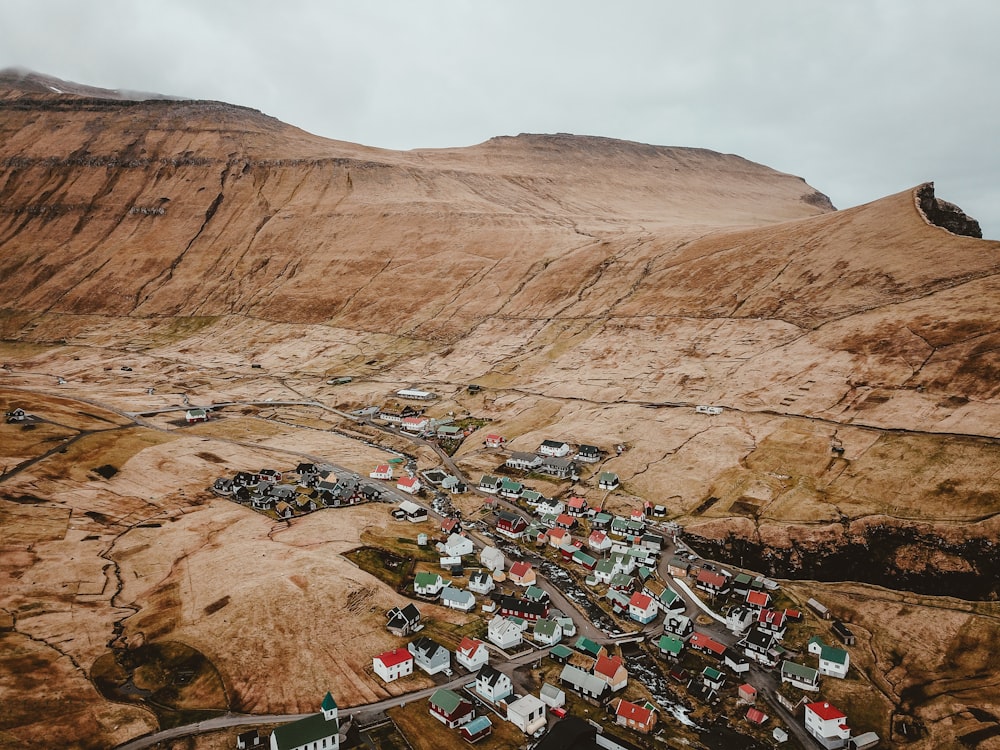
{"x": 511, "y": 524}
{"x": 494, "y": 441}
{"x": 450, "y": 708}
{"x": 701, "y": 642}
{"x": 711, "y": 582}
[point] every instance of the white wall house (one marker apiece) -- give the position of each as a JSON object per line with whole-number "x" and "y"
{"x": 394, "y": 664}
{"x": 527, "y": 714}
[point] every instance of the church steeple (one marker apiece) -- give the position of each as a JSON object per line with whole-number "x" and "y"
{"x": 329, "y": 707}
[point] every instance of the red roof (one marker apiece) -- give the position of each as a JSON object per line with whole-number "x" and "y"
{"x": 576, "y": 502}
{"x": 414, "y": 420}
{"x": 394, "y": 657}
{"x": 640, "y": 600}
{"x": 520, "y": 569}
{"x": 407, "y": 481}
{"x": 756, "y": 716}
{"x": 381, "y": 469}
{"x": 493, "y": 437}
{"x": 598, "y": 536}
{"x": 469, "y": 646}
{"x": 825, "y": 711}
{"x": 565, "y": 519}
{"x": 607, "y": 666}
{"x": 448, "y": 524}
{"x": 772, "y": 618}
{"x": 632, "y": 712}
{"x": 758, "y": 598}
{"x": 700, "y": 640}
{"x": 711, "y": 578}
{"x": 747, "y": 689}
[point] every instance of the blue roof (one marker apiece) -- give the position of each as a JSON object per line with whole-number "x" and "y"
{"x": 478, "y": 724}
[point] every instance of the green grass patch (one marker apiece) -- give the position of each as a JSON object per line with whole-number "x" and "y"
{"x": 389, "y": 567}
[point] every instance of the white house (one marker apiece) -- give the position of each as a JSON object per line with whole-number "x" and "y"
{"x": 409, "y": 485}
{"x": 428, "y": 584}
{"x": 503, "y": 632}
{"x": 492, "y": 558}
{"x": 608, "y": 480}
{"x": 429, "y": 655}
{"x": 492, "y": 684}
{"x": 382, "y": 471}
{"x": 554, "y": 448}
{"x": 552, "y": 696}
{"x": 642, "y": 608}
{"x": 481, "y": 582}
{"x": 391, "y": 665}
{"x": 458, "y": 545}
{"x": 802, "y": 677}
{"x": 599, "y": 541}
{"x": 547, "y": 632}
{"x": 527, "y": 714}
{"x": 833, "y": 661}
{"x": 827, "y": 725}
{"x": 415, "y": 424}
{"x": 472, "y": 653}
{"x": 459, "y": 599}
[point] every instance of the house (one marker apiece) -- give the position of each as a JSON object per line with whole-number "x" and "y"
{"x": 510, "y": 489}
{"x": 678, "y": 567}
{"x": 313, "y": 731}
{"x": 511, "y": 524}
{"x": 833, "y": 661}
{"x": 711, "y": 582}
{"x": 428, "y": 584}
{"x": 706, "y": 645}
{"x": 193, "y": 416}
{"x": 670, "y": 601}
{"x": 450, "y": 708}
{"x": 566, "y": 521}
{"x": 588, "y": 454}
{"x": 670, "y": 646}
{"x": 582, "y": 682}
{"x": 819, "y": 609}
{"x": 843, "y": 633}
{"x": 618, "y": 601}
{"x": 758, "y": 644}
{"x": 553, "y": 448}
{"x": 429, "y": 655}
{"x": 251, "y": 741}
{"x": 739, "y": 618}
{"x": 458, "y": 545}
{"x": 492, "y": 559}
{"x": 409, "y": 485}
{"x": 735, "y": 661}
{"x": 415, "y": 394}
{"x": 802, "y": 677}
{"x": 772, "y": 621}
{"x": 476, "y": 729}
{"x": 560, "y": 468}
{"x": 490, "y": 484}
{"x": 559, "y": 537}
{"x": 391, "y": 665}
{"x": 522, "y": 574}
{"x": 642, "y": 608}
{"x": 612, "y": 670}
{"x": 641, "y": 718}
{"x": 495, "y": 441}
{"x": 521, "y": 461}
{"x": 549, "y": 505}
{"x": 527, "y": 714}
{"x": 552, "y": 696}
{"x": 582, "y": 558}
{"x": 481, "y": 582}
{"x": 472, "y": 653}
{"x": 746, "y": 693}
{"x": 448, "y": 525}
{"x": 713, "y": 678}
{"x": 707, "y": 409}
{"x": 284, "y": 510}
{"x": 493, "y": 685}
{"x": 679, "y": 625}
{"x": 827, "y": 724}
{"x": 758, "y": 599}
{"x": 576, "y": 506}
{"x": 547, "y": 632}
{"x": 513, "y": 606}
{"x": 536, "y": 594}
{"x": 412, "y": 512}
{"x": 601, "y": 520}
{"x": 403, "y": 622}
{"x": 459, "y": 599}
{"x": 415, "y": 424}
{"x": 591, "y": 648}
{"x": 608, "y": 480}
{"x": 503, "y": 632}
{"x": 756, "y": 716}
{"x": 382, "y": 471}
{"x": 560, "y": 653}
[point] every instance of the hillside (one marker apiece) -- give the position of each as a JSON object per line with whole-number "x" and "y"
{"x": 156, "y": 252}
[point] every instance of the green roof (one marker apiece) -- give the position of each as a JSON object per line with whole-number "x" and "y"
{"x": 304, "y": 731}
{"x": 545, "y": 627}
{"x": 605, "y": 566}
{"x": 510, "y": 484}
{"x": 583, "y": 558}
{"x": 328, "y": 704}
{"x": 668, "y": 596}
{"x": 712, "y": 674}
{"x": 588, "y": 646}
{"x": 396, "y": 460}
{"x": 602, "y": 518}
{"x": 447, "y": 700}
{"x": 534, "y": 593}
{"x": 742, "y": 578}
{"x": 798, "y": 670}
{"x": 425, "y": 579}
{"x": 561, "y": 651}
{"x": 608, "y": 476}
{"x": 670, "y": 643}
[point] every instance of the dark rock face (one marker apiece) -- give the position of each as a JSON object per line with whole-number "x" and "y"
{"x": 899, "y": 558}
{"x": 946, "y": 215}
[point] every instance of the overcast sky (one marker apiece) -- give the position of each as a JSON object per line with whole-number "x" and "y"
{"x": 862, "y": 98}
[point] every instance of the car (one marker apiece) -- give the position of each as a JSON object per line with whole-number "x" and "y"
{"x": 448, "y": 671}
{"x": 558, "y": 711}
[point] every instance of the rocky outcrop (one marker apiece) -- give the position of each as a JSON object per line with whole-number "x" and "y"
{"x": 946, "y": 215}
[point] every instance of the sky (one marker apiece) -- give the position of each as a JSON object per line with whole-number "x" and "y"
{"x": 862, "y": 98}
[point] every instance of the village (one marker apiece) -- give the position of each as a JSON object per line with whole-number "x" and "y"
{"x": 594, "y": 627}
